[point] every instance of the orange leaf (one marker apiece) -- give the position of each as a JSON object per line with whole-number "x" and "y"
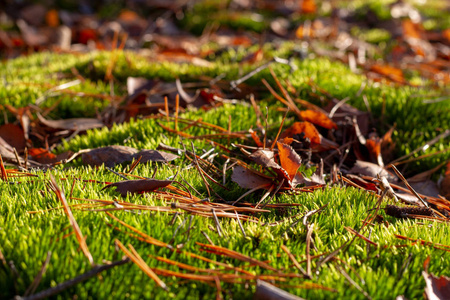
{"x": 410, "y": 29}
{"x": 318, "y": 118}
{"x": 52, "y": 18}
{"x": 42, "y": 156}
{"x": 128, "y": 16}
{"x": 307, "y": 128}
{"x": 446, "y": 34}
{"x": 392, "y": 73}
{"x": 289, "y": 159}
{"x": 308, "y": 6}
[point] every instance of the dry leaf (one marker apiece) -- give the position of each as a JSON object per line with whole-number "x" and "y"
{"x": 289, "y": 159}
{"x": 116, "y": 154}
{"x": 303, "y": 127}
{"x": 138, "y": 186}
{"x": 76, "y": 124}
{"x": 437, "y": 288}
{"x": 392, "y": 73}
{"x": 308, "y": 6}
{"x": 265, "y": 158}
{"x": 318, "y": 118}
{"x": 368, "y": 169}
{"x": 444, "y": 187}
{"x": 13, "y": 135}
{"x": 110, "y": 155}
{"x": 44, "y": 156}
{"x": 247, "y": 179}
{"x": 155, "y": 155}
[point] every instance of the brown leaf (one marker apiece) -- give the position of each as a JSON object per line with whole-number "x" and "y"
{"x": 110, "y": 155}
{"x": 13, "y": 135}
{"x": 265, "y": 158}
{"x": 368, "y": 169}
{"x": 318, "y": 118}
{"x": 247, "y": 179}
{"x": 116, "y": 154}
{"x": 289, "y": 159}
{"x": 79, "y": 124}
{"x": 138, "y": 186}
{"x": 363, "y": 183}
{"x": 155, "y": 155}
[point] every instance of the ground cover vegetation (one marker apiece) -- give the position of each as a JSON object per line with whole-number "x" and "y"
{"x": 220, "y": 149}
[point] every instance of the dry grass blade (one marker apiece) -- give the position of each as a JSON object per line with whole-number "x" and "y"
{"x": 184, "y": 266}
{"x": 292, "y": 258}
{"x": 137, "y": 259}
{"x": 352, "y": 231}
{"x": 423, "y": 242}
{"x": 407, "y": 185}
{"x": 38, "y": 277}
{"x": 308, "y": 246}
{"x": 352, "y": 282}
{"x": 231, "y": 253}
{"x": 3, "y": 170}
{"x": 147, "y": 238}
{"x": 60, "y": 195}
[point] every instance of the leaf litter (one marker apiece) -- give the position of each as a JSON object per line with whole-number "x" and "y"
{"x": 321, "y": 148}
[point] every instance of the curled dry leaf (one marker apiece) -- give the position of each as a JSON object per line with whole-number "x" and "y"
{"x": 138, "y": 186}
{"x": 247, "y": 179}
{"x": 116, "y": 154}
{"x": 13, "y": 135}
{"x": 76, "y": 124}
{"x": 318, "y": 118}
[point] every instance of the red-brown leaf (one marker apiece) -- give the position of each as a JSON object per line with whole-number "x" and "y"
{"x": 13, "y": 135}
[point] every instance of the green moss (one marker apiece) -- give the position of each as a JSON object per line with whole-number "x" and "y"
{"x": 26, "y": 238}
